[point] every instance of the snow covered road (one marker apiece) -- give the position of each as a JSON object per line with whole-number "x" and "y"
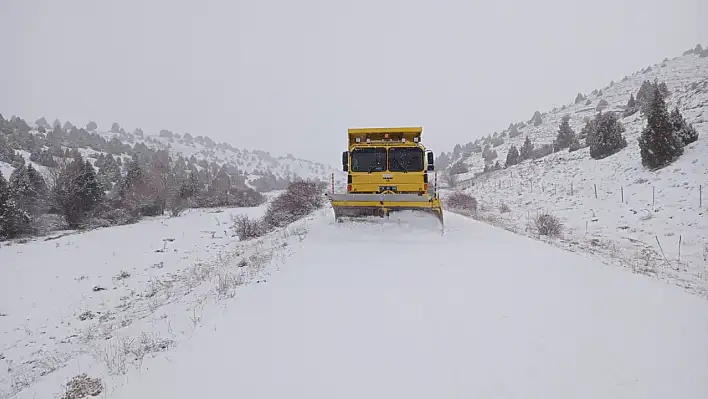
{"x": 384, "y": 311}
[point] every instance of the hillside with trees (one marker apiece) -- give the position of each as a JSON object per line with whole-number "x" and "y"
{"x": 60, "y": 176}
{"x": 619, "y": 173}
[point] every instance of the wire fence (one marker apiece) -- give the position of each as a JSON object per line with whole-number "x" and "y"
{"x": 599, "y": 213}
{"x": 689, "y": 195}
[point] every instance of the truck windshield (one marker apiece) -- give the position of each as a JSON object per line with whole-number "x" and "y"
{"x": 368, "y": 160}
{"x": 405, "y": 159}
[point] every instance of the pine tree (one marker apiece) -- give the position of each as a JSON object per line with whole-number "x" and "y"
{"x": 686, "y": 132}
{"x": 76, "y": 191}
{"x": 566, "y": 135}
{"x": 631, "y": 107}
{"x": 607, "y": 136}
{"x": 646, "y": 94}
{"x": 659, "y": 143}
{"x": 488, "y": 154}
{"x": 513, "y": 132}
{"x": 588, "y": 131}
{"x": 189, "y": 187}
{"x": 134, "y": 176}
{"x": 512, "y": 157}
{"x": 29, "y": 190}
{"x": 602, "y": 105}
{"x": 91, "y": 191}
{"x": 40, "y": 189}
{"x": 110, "y": 170}
{"x": 536, "y": 119}
{"x": 526, "y": 150}
{"x": 13, "y": 220}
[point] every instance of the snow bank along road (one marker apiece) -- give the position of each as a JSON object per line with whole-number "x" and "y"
{"x": 365, "y": 310}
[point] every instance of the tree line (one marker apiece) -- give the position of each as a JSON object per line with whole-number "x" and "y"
{"x": 118, "y": 186}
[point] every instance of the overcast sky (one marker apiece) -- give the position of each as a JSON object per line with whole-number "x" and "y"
{"x": 292, "y": 76}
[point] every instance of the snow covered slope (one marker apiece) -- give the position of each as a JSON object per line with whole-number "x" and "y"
{"x": 80, "y": 294}
{"x": 251, "y": 162}
{"x": 273, "y": 171}
{"x": 652, "y": 222}
{"x": 362, "y": 310}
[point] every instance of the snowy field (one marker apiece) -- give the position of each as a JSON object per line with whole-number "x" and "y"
{"x": 651, "y": 222}
{"x": 65, "y": 297}
{"x": 355, "y": 310}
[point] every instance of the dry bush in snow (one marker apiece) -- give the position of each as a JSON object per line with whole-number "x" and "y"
{"x": 246, "y": 227}
{"x": 546, "y": 224}
{"x": 461, "y": 201}
{"x": 297, "y": 201}
{"x": 300, "y": 199}
{"x": 227, "y": 283}
{"x": 122, "y": 351}
{"x": 83, "y": 386}
{"x": 646, "y": 262}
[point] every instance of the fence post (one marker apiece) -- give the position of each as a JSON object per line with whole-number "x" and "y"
{"x": 332, "y": 183}
{"x": 679, "y": 251}
{"x": 595, "y": 190}
{"x": 700, "y": 196}
{"x": 652, "y": 196}
{"x": 571, "y": 188}
{"x": 622, "y": 191}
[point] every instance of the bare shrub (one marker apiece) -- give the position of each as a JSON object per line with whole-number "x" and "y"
{"x": 125, "y": 350}
{"x": 177, "y": 206}
{"x": 122, "y": 275}
{"x": 299, "y": 200}
{"x": 45, "y": 224}
{"x": 107, "y": 215}
{"x": 83, "y": 386}
{"x": 227, "y": 283}
{"x": 461, "y": 201}
{"x": 547, "y": 224}
{"x": 504, "y": 208}
{"x": 646, "y": 262}
{"x": 246, "y": 227}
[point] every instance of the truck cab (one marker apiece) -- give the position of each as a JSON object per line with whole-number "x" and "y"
{"x": 388, "y": 161}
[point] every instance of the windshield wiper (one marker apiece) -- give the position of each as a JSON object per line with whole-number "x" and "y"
{"x": 400, "y": 164}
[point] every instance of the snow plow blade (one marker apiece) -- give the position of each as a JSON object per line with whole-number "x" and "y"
{"x": 381, "y": 205}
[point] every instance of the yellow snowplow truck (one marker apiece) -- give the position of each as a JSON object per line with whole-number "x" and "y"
{"x": 387, "y": 171}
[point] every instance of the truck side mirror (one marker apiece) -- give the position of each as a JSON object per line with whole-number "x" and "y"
{"x": 345, "y": 161}
{"x": 431, "y": 164}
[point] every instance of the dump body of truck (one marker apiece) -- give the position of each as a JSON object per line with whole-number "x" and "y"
{"x": 387, "y": 170}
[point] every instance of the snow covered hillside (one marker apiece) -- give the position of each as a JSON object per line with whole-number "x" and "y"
{"x": 260, "y": 169}
{"x": 651, "y": 221}
{"x": 417, "y": 314}
{"x": 60, "y": 177}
